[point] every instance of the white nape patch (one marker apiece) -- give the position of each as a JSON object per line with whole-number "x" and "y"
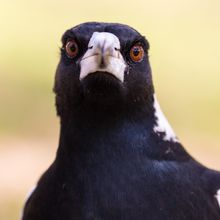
{"x": 27, "y": 197}
{"x": 103, "y": 55}
{"x": 217, "y": 196}
{"x": 30, "y": 192}
{"x": 162, "y": 125}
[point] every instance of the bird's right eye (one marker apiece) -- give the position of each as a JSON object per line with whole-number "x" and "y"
{"x": 137, "y": 53}
{"x": 71, "y": 48}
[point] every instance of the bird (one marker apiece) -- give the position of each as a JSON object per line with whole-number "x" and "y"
{"x": 118, "y": 158}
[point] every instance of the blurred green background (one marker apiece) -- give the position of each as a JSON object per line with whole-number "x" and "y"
{"x": 185, "y": 58}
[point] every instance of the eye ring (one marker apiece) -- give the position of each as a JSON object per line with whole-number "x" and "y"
{"x": 71, "y": 48}
{"x": 137, "y": 53}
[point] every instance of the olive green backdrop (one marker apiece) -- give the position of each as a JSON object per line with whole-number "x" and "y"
{"x": 185, "y": 58}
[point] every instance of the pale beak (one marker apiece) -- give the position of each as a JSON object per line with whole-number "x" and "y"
{"x": 103, "y": 55}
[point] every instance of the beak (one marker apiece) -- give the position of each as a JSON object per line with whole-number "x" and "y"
{"x": 103, "y": 55}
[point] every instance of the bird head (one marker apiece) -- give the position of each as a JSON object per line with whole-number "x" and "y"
{"x": 103, "y": 65}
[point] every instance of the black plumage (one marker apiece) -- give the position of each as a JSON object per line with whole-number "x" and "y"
{"x": 117, "y": 156}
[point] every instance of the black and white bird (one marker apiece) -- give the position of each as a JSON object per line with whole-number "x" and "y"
{"x": 118, "y": 158}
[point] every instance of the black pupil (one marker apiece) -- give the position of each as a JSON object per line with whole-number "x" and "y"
{"x": 72, "y": 47}
{"x": 136, "y": 51}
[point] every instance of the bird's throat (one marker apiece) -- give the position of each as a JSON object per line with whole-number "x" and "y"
{"x": 98, "y": 127}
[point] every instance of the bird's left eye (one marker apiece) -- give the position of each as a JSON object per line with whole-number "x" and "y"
{"x": 137, "y": 53}
{"x": 71, "y": 48}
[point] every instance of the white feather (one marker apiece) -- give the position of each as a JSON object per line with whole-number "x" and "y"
{"x": 217, "y": 196}
{"x": 162, "y": 125}
{"x": 27, "y": 197}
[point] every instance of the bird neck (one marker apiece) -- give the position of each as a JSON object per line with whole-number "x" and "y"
{"x": 92, "y": 122}
{"x": 91, "y": 131}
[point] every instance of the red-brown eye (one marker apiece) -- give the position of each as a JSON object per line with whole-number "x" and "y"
{"x": 72, "y": 48}
{"x": 137, "y": 53}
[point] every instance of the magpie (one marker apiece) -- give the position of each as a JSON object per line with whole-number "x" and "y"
{"x": 118, "y": 158}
